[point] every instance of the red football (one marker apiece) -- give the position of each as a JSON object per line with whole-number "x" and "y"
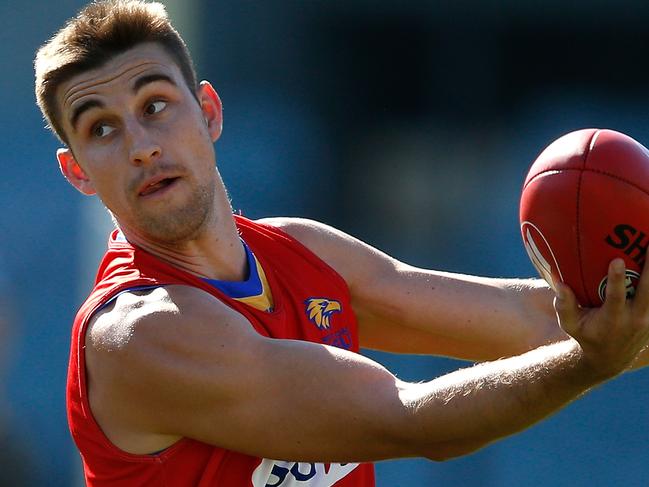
{"x": 585, "y": 201}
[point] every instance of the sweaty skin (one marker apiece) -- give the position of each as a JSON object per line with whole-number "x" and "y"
{"x": 143, "y": 142}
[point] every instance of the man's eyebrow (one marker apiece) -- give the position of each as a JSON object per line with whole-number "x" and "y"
{"x": 83, "y": 107}
{"x": 137, "y": 86}
{"x": 150, "y": 78}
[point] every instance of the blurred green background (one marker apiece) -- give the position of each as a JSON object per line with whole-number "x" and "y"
{"x": 409, "y": 124}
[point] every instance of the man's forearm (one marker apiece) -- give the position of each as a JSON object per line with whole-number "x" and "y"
{"x": 467, "y": 409}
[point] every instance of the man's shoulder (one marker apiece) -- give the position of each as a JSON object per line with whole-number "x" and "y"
{"x": 151, "y": 344}
{"x": 142, "y": 315}
{"x": 296, "y": 227}
{"x": 348, "y": 256}
{"x": 319, "y": 237}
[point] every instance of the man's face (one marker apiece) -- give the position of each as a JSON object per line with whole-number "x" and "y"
{"x": 143, "y": 143}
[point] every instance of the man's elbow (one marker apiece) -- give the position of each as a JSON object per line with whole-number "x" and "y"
{"x": 442, "y": 452}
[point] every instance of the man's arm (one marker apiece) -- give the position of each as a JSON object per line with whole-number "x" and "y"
{"x": 179, "y": 363}
{"x": 405, "y": 309}
{"x": 401, "y": 308}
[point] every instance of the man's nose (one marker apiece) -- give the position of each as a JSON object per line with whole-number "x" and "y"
{"x": 143, "y": 145}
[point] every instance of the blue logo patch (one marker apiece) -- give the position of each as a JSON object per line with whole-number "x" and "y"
{"x": 341, "y": 339}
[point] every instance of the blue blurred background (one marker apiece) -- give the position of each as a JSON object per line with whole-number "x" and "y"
{"x": 409, "y": 124}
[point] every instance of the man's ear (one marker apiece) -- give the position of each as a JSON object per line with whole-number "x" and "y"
{"x": 211, "y": 108}
{"x": 73, "y": 172}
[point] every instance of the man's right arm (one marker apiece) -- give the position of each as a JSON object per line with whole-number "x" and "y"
{"x": 183, "y": 364}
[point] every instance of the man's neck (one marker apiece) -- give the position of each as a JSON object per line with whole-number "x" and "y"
{"x": 216, "y": 252}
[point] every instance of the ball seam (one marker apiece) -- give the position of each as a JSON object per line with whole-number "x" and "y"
{"x": 578, "y": 220}
{"x": 582, "y": 281}
{"x": 596, "y": 171}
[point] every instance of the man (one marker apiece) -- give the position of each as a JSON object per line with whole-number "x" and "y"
{"x": 215, "y": 350}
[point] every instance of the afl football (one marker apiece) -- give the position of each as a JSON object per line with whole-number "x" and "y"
{"x": 585, "y": 201}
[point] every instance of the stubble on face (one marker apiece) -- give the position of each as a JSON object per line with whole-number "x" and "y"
{"x": 177, "y": 223}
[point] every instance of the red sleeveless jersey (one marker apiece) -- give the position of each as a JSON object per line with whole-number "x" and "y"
{"x": 300, "y": 284}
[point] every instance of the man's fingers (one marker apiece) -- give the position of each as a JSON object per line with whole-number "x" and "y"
{"x": 641, "y": 297}
{"x": 616, "y": 286}
{"x": 565, "y": 304}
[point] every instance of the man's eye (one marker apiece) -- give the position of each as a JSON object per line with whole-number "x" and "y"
{"x": 102, "y": 130}
{"x": 155, "y": 107}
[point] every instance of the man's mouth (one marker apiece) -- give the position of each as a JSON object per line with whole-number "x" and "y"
{"x": 157, "y": 186}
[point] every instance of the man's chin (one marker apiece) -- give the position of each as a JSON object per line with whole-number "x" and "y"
{"x": 173, "y": 224}
{"x": 181, "y": 227}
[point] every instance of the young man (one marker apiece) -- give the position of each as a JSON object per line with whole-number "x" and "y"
{"x": 215, "y": 350}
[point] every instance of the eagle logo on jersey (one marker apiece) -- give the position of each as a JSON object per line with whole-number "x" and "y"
{"x": 319, "y": 311}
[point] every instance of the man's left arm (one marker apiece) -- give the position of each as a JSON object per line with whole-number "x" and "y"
{"x": 405, "y": 309}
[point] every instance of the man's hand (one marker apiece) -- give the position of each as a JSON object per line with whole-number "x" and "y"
{"x": 613, "y": 335}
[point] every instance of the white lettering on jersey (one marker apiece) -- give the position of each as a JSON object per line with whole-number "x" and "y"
{"x": 276, "y": 473}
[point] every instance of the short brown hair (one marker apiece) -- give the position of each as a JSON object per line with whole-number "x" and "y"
{"x": 99, "y": 32}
